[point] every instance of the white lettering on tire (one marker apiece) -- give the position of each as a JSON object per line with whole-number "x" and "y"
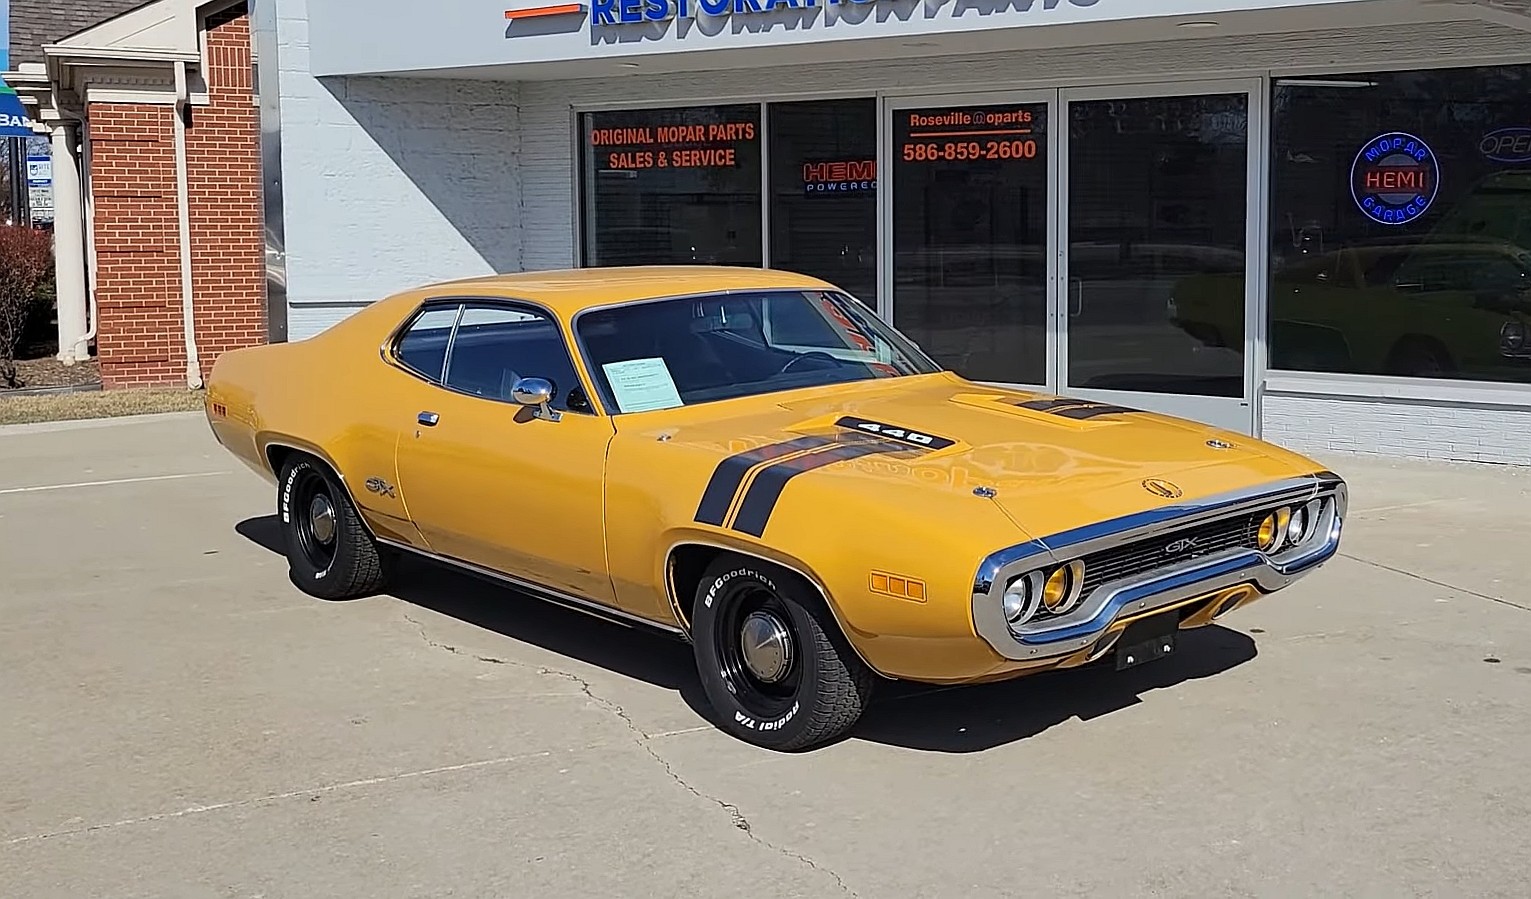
{"x": 781, "y": 722}
{"x": 720, "y": 583}
{"x": 287, "y": 496}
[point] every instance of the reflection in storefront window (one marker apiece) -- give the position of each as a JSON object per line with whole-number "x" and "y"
{"x": 824, "y": 192}
{"x": 672, "y": 186}
{"x": 1401, "y": 207}
{"x": 1157, "y": 221}
{"x": 970, "y": 237}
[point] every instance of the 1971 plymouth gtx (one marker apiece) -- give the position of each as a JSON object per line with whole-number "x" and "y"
{"x": 753, "y": 461}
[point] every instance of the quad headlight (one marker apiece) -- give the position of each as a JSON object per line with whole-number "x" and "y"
{"x": 1056, "y": 591}
{"x": 1288, "y": 526}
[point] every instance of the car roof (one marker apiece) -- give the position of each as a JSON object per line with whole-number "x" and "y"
{"x": 568, "y": 291}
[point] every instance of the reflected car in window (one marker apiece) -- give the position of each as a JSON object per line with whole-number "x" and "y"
{"x": 755, "y": 463}
{"x": 1444, "y": 308}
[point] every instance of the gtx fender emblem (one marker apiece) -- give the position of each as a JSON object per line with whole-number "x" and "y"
{"x": 1161, "y": 487}
{"x": 380, "y": 486}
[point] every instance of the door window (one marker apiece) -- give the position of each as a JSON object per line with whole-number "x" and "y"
{"x": 424, "y": 344}
{"x": 494, "y": 346}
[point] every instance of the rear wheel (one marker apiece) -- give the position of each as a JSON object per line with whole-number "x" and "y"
{"x": 329, "y": 552}
{"x": 772, "y": 660}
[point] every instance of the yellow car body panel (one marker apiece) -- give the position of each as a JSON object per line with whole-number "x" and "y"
{"x": 901, "y": 539}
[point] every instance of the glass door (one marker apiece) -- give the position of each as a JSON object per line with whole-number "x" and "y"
{"x": 971, "y": 217}
{"x": 1159, "y": 222}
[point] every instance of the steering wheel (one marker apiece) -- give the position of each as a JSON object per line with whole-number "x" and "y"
{"x": 815, "y": 354}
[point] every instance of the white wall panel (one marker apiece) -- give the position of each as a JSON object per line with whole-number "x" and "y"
{"x": 390, "y": 182}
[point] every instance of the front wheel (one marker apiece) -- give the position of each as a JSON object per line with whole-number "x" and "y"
{"x": 329, "y": 551}
{"x": 771, "y": 658}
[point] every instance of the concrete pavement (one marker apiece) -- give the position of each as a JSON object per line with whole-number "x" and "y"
{"x": 178, "y": 720}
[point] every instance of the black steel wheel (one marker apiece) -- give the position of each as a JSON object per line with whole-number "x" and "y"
{"x": 329, "y": 552}
{"x": 774, "y": 664}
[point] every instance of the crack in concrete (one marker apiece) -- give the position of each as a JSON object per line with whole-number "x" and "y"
{"x": 644, "y": 740}
{"x": 313, "y": 793}
{"x": 1442, "y": 584}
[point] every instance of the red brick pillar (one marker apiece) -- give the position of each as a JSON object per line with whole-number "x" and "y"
{"x": 140, "y": 336}
{"x": 228, "y": 269}
{"x": 138, "y": 294}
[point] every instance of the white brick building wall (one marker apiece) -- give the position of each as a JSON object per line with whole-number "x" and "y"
{"x": 1445, "y": 431}
{"x": 389, "y": 183}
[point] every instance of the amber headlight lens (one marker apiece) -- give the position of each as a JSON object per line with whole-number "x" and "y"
{"x": 1063, "y": 588}
{"x": 1273, "y": 529}
{"x": 1056, "y": 590}
{"x": 1266, "y": 538}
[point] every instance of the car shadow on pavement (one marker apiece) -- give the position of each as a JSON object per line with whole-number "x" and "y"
{"x": 983, "y": 716}
{"x": 913, "y": 716}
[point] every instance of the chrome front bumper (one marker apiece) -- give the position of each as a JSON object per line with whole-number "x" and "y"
{"x": 1162, "y": 587}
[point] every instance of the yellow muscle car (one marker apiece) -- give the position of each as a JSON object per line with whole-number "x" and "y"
{"x": 752, "y": 461}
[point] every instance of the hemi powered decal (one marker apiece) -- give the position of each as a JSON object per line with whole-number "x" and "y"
{"x": 730, "y": 474}
{"x": 763, "y": 493}
{"x": 893, "y": 432}
{"x": 1075, "y": 409}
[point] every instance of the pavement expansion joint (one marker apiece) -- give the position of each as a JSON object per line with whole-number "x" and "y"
{"x": 644, "y": 742}
{"x": 1442, "y": 584}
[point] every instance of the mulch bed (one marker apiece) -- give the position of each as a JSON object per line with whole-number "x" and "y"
{"x": 48, "y": 372}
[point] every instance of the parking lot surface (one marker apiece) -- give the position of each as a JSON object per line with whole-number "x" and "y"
{"x": 178, "y": 720}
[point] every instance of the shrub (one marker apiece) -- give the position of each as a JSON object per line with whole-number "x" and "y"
{"x": 26, "y": 270}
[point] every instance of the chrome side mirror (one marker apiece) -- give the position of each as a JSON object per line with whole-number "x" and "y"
{"x": 537, "y": 393}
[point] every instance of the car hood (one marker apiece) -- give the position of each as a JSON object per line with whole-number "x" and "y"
{"x": 1051, "y": 463}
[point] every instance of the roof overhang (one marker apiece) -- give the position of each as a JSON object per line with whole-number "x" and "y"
{"x": 132, "y": 57}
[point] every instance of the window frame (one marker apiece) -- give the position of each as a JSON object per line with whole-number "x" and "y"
{"x": 391, "y": 345}
{"x": 1455, "y": 390}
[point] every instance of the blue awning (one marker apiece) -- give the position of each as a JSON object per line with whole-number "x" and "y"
{"x": 13, "y": 116}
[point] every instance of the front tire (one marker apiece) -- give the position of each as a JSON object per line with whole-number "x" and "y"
{"x": 329, "y": 552}
{"x": 771, "y": 658}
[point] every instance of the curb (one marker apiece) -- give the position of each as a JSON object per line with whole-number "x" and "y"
{"x": 51, "y": 391}
{"x": 82, "y": 424}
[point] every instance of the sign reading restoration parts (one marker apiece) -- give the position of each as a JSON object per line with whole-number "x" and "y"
{"x": 606, "y": 13}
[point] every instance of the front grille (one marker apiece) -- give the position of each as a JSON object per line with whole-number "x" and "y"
{"x": 1145, "y": 555}
{"x": 1148, "y": 554}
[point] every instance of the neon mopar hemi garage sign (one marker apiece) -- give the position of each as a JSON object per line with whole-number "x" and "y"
{"x": 1394, "y": 178}
{"x": 616, "y": 13}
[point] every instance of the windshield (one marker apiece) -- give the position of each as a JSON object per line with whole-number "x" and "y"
{"x": 667, "y": 353}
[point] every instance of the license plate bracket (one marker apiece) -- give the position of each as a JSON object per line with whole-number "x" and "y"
{"x": 1147, "y": 640}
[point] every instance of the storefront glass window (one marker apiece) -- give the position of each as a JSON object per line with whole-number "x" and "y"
{"x": 672, "y": 186}
{"x": 1158, "y": 211}
{"x": 1402, "y": 224}
{"x": 824, "y": 192}
{"x": 970, "y": 237}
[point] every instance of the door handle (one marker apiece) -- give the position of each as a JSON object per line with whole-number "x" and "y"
{"x": 428, "y": 419}
{"x": 1076, "y": 297}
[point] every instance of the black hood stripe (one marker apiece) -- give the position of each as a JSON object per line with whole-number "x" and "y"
{"x": 765, "y": 490}
{"x": 729, "y": 476}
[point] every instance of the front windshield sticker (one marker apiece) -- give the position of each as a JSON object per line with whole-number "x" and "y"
{"x": 642, "y": 384}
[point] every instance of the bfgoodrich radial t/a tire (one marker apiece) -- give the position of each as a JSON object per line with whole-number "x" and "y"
{"x": 771, "y": 658}
{"x": 329, "y": 551}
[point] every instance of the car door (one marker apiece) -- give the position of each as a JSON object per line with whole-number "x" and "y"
{"x": 498, "y": 484}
